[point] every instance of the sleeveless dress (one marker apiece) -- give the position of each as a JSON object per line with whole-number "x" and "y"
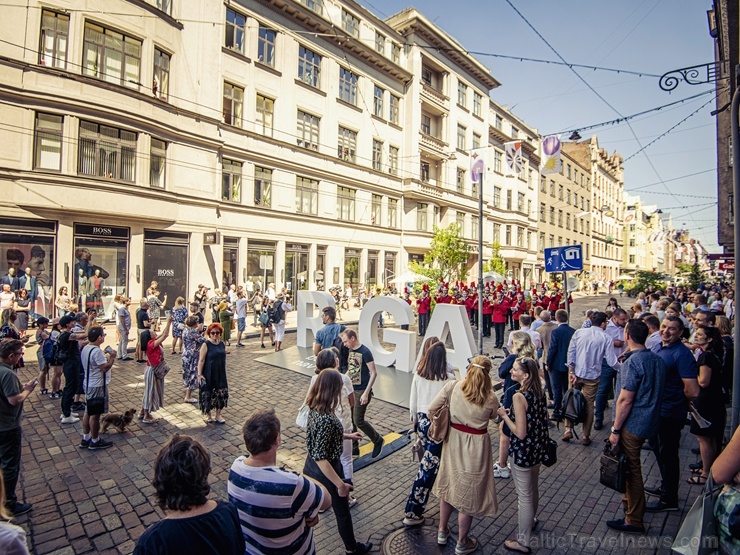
{"x": 710, "y": 403}
{"x": 22, "y": 317}
{"x": 178, "y": 317}
{"x": 214, "y": 394}
{"x": 530, "y": 451}
{"x": 192, "y": 339}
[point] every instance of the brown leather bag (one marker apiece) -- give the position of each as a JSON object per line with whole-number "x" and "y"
{"x": 440, "y": 426}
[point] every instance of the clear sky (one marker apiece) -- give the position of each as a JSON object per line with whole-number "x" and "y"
{"x": 652, "y": 36}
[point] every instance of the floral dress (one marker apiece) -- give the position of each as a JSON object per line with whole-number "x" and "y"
{"x": 192, "y": 339}
{"x": 530, "y": 451}
{"x": 178, "y": 317}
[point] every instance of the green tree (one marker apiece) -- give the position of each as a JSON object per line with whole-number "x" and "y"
{"x": 645, "y": 279}
{"x": 496, "y": 263}
{"x": 696, "y": 276}
{"x": 447, "y": 257}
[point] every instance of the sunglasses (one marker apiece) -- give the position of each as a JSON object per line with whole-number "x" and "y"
{"x": 215, "y": 333}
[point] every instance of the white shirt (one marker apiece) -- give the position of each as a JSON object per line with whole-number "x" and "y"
{"x": 617, "y": 334}
{"x": 729, "y": 308}
{"x": 535, "y": 335}
{"x": 343, "y": 410}
{"x": 588, "y": 347}
{"x": 653, "y": 340}
{"x": 241, "y": 308}
{"x": 97, "y": 359}
{"x": 423, "y": 392}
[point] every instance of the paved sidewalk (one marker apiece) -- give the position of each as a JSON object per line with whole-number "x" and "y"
{"x": 101, "y": 501}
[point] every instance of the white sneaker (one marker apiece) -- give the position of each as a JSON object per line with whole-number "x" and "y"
{"x": 352, "y": 501}
{"x": 501, "y": 472}
{"x": 70, "y": 419}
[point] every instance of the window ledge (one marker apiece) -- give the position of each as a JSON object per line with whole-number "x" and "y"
{"x": 268, "y": 68}
{"x": 378, "y": 118}
{"x": 159, "y": 13}
{"x": 349, "y": 105}
{"x": 309, "y": 87}
{"x": 236, "y": 54}
{"x": 463, "y": 107}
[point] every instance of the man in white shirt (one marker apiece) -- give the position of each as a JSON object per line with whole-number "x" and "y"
{"x": 653, "y": 324}
{"x": 95, "y": 365}
{"x": 524, "y": 322}
{"x": 588, "y": 348}
{"x": 241, "y": 317}
{"x": 232, "y": 294}
{"x": 610, "y": 375}
{"x": 729, "y": 308}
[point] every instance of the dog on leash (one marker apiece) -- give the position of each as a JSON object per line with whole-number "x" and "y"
{"x": 118, "y": 421}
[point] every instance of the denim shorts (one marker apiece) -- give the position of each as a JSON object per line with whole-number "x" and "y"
{"x": 241, "y": 324}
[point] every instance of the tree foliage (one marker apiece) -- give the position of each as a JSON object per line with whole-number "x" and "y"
{"x": 646, "y": 278}
{"x": 696, "y": 276}
{"x": 496, "y": 263}
{"x": 447, "y": 257}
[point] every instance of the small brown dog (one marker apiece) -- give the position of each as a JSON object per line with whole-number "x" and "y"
{"x": 118, "y": 421}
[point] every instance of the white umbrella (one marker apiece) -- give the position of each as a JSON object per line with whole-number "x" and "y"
{"x": 625, "y": 276}
{"x": 409, "y": 277}
{"x": 493, "y": 276}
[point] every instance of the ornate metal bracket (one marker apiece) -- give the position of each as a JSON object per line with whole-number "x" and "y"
{"x": 694, "y": 75}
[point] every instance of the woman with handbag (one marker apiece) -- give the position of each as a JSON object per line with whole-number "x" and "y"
{"x": 214, "y": 387}
{"x": 465, "y": 481}
{"x": 156, "y": 369}
{"x": 224, "y": 318}
{"x": 192, "y": 340}
{"x": 527, "y": 420}
{"x": 324, "y": 437}
{"x": 431, "y": 375}
{"x": 179, "y": 314}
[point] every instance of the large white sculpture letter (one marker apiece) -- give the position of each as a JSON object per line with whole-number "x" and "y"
{"x": 452, "y": 320}
{"x": 308, "y": 324}
{"x": 405, "y": 341}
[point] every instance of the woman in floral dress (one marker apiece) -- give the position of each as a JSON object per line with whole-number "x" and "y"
{"x": 192, "y": 340}
{"x": 179, "y": 313}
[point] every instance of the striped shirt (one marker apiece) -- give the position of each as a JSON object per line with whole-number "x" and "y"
{"x": 273, "y": 504}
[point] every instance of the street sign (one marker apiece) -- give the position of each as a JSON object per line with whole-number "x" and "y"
{"x": 564, "y": 259}
{"x": 728, "y": 266}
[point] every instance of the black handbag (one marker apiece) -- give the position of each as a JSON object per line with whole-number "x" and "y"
{"x": 574, "y": 405}
{"x": 550, "y": 456}
{"x": 613, "y": 473}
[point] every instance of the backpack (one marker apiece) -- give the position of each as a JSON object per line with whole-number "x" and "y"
{"x": 264, "y": 319}
{"x": 47, "y": 349}
{"x": 276, "y": 312}
{"x": 59, "y": 348}
{"x": 574, "y": 405}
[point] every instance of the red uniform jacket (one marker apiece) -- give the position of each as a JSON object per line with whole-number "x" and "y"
{"x": 423, "y": 305}
{"x": 521, "y": 308}
{"x": 499, "y": 311}
{"x": 554, "y": 302}
{"x": 487, "y": 306}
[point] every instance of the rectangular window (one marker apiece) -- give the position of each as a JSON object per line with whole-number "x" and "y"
{"x": 507, "y": 239}
{"x": 632, "y": 242}
{"x": 575, "y": 200}
{"x": 306, "y": 195}
{"x": 392, "y": 213}
{"x": 497, "y": 197}
{"x": 474, "y": 221}
{"x": 265, "y": 115}
{"x": 476, "y": 141}
{"x": 460, "y": 180}
{"x": 316, "y": 6}
{"x": 161, "y": 85}
{"x": 262, "y": 186}
{"x": 308, "y": 131}
{"x": 461, "y": 132}
{"x": 48, "y": 142}
{"x": 395, "y": 53}
{"x": 426, "y": 124}
{"x": 477, "y": 104}
{"x": 375, "y": 217}
{"x": 378, "y": 101}
{"x": 236, "y": 25}
{"x": 165, "y": 6}
{"x": 347, "y": 144}
{"x": 350, "y": 23}
{"x": 266, "y": 46}
{"x": 460, "y": 221}
{"x": 519, "y": 237}
{"x": 508, "y": 199}
{"x": 157, "y": 163}
{"x": 567, "y": 196}
{"x": 520, "y": 202}
{"x": 346, "y": 204}
{"x": 379, "y": 43}
{"x": 541, "y": 245}
{"x": 233, "y": 102}
{"x": 393, "y": 160}
{"x": 394, "y": 104}
{"x": 497, "y": 233}
{"x": 347, "y": 86}
{"x": 560, "y": 192}
{"x": 424, "y": 171}
{"x": 543, "y": 185}
{"x": 474, "y": 189}
{"x": 497, "y": 161}
{"x": 54, "y": 39}
{"x": 552, "y": 188}
{"x": 462, "y": 94}
{"x": 568, "y": 170}
{"x": 542, "y": 212}
{"x": 499, "y": 123}
{"x": 632, "y": 258}
{"x": 514, "y": 132}
{"x": 231, "y": 184}
{"x": 106, "y": 151}
{"x": 309, "y": 67}
{"x": 560, "y": 218}
{"x": 552, "y": 215}
{"x": 377, "y": 155}
{"x": 567, "y": 221}
{"x": 111, "y": 56}
{"x": 421, "y": 216}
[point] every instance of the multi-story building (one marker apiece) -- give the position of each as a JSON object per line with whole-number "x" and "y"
{"x": 647, "y": 241}
{"x": 302, "y": 143}
{"x": 565, "y": 209}
{"x": 607, "y": 206}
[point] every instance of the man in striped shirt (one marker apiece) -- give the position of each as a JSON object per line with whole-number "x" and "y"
{"x": 277, "y": 508}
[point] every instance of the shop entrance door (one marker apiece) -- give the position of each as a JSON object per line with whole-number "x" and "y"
{"x": 296, "y": 268}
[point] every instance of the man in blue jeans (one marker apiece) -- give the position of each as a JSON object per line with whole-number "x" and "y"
{"x": 681, "y": 385}
{"x": 609, "y": 374}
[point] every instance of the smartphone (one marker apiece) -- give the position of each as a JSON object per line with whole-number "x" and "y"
{"x": 108, "y": 350}
{"x": 167, "y": 313}
{"x": 35, "y": 382}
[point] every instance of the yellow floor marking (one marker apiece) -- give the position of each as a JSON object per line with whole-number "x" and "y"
{"x": 368, "y": 447}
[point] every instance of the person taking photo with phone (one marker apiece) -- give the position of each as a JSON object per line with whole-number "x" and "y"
{"x": 96, "y": 365}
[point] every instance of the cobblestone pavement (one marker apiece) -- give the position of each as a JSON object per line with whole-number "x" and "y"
{"x": 101, "y": 501}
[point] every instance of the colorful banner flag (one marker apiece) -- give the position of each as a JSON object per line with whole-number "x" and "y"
{"x": 514, "y": 156}
{"x": 551, "y": 162}
{"x": 629, "y": 216}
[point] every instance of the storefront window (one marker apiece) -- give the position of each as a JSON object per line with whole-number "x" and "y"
{"x": 390, "y": 268}
{"x": 261, "y": 264}
{"x": 231, "y": 259}
{"x": 371, "y": 279}
{"x": 166, "y": 262}
{"x": 320, "y": 268}
{"x": 351, "y": 267}
{"x": 29, "y": 247}
{"x": 296, "y": 267}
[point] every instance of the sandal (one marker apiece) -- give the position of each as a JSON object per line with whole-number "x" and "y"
{"x": 44, "y": 392}
{"x": 697, "y": 480}
{"x": 209, "y": 420}
{"x": 469, "y": 547}
{"x": 220, "y": 421}
{"x": 513, "y": 545}
{"x": 696, "y": 470}
{"x": 148, "y": 420}
{"x": 192, "y": 401}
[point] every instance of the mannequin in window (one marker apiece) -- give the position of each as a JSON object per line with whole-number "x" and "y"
{"x": 29, "y": 283}
{"x": 10, "y": 279}
{"x": 84, "y": 263}
{"x": 95, "y": 291}
{"x": 80, "y": 294}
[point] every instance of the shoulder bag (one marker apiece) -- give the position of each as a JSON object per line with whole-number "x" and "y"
{"x": 697, "y": 534}
{"x": 440, "y": 421}
{"x": 417, "y": 449}
{"x": 302, "y": 419}
{"x": 613, "y": 472}
{"x": 550, "y": 455}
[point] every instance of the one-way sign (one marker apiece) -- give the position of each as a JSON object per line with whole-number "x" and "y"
{"x": 564, "y": 259}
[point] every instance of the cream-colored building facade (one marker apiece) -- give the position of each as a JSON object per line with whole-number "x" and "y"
{"x": 648, "y": 244}
{"x": 304, "y": 144}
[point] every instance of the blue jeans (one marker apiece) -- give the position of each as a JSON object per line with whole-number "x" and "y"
{"x": 606, "y": 383}
{"x": 425, "y": 478}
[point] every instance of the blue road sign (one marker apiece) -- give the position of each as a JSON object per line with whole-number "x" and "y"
{"x": 564, "y": 259}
